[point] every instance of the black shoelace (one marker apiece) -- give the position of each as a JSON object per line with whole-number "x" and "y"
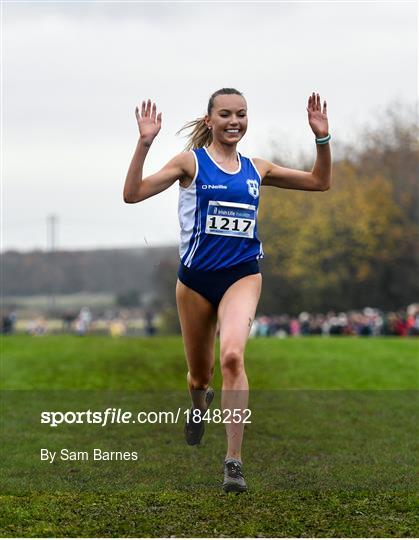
{"x": 234, "y": 469}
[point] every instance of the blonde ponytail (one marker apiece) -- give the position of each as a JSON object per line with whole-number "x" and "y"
{"x": 200, "y": 135}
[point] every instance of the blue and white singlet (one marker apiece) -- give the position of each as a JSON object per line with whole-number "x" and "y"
{"x": 218, "y": 215}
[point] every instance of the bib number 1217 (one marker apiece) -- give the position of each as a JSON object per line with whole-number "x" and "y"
{"x": 230, "y": 219}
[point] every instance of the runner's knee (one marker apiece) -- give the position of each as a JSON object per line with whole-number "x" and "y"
{"x": 232, "y": 361}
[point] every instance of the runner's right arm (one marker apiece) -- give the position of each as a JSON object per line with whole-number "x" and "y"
{"x": 136, "y": 188}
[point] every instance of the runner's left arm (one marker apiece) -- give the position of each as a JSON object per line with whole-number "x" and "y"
{"x": 320, "y": 177}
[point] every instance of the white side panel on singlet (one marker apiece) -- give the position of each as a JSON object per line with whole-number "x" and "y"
{"x": 187, "y": 211}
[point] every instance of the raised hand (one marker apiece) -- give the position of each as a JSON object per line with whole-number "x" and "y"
{"x": 149, "y": 123}
{"x": 316, "y": 118}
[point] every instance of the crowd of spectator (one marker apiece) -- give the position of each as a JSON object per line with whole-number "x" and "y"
{"x": 367, "y": 322}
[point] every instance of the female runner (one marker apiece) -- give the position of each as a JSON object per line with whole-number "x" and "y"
{"x": 219, "y": 277}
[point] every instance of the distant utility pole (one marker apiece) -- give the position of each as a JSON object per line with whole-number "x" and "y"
{"x": 52, "y": 222}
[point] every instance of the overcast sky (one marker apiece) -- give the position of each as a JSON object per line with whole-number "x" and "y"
{"x": 73, "y": 73}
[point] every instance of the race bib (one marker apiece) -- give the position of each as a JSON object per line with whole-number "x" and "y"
{"x": 230, "y": 219}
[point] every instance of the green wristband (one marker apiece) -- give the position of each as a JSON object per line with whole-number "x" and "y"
{"x": 323, "y": 140}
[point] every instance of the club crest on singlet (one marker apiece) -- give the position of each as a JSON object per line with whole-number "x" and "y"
{"x": 253, "y": 188}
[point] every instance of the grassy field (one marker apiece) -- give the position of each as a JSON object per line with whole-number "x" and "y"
{"x": 330, "y": 451}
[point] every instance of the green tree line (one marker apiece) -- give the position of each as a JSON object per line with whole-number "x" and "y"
{"x": 355, "y": 244}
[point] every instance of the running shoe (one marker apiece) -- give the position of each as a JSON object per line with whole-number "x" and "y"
{"x": 195, "y": 430}
{"x": 233, "y": 476}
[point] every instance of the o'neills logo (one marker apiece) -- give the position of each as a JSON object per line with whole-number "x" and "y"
{"x": 213, "y": 186}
